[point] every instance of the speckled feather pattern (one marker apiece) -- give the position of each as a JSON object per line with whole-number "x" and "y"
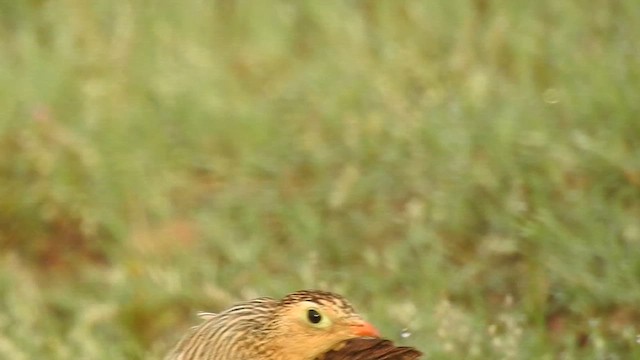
{"x": 245, "y": 331}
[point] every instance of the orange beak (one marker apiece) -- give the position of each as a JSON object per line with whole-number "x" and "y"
{"x": 365, "y": 329}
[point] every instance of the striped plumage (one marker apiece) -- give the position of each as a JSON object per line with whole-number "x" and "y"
{"x": 301, "y": 326}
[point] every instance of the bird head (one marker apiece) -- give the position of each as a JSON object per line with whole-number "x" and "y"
{"x": 309, "y": 323}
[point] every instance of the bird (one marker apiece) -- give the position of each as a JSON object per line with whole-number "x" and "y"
{"x": 370, "y": 349}
{"x": 303, "y": 325}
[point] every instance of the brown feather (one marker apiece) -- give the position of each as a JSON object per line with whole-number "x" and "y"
{"x": 371, "y": 349}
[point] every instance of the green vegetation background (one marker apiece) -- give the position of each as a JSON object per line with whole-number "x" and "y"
{"x": 469, "y": 170}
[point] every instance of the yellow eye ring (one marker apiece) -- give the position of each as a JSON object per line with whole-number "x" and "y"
{"x": 314, "y": 317}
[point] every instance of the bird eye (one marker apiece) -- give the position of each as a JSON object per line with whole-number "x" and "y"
{"x": 314, "y": 316}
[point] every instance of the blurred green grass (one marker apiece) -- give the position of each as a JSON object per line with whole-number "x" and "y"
{"x": 469, "y": 170}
